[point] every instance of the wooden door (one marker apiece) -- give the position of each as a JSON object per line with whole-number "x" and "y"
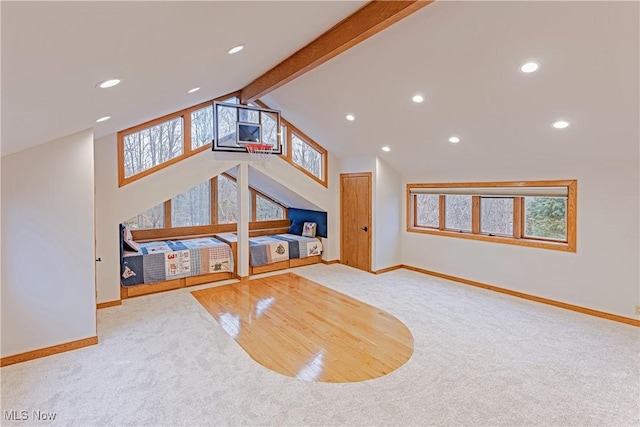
{"x": 355, "y": 220}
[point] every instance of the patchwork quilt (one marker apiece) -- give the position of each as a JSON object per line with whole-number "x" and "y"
{"x": 301, "y": 246}
{"x": 267, "y": 250}
{"x": 174, "y": 259}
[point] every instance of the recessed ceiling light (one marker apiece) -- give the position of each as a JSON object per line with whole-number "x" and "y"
{"x": 236, "y": 49}
{"x": 109, "y": 83}
{"x": 103, "y": 119}
{"x": 195, "y": 89}
{"x": 350, "y": 117}
{"x": 454, "y": 139}
{"x": 417, "y": 98}
{"x": 561, "y": 124}
{"x": 385, "y": 148}
{"x": 529, "y": 67}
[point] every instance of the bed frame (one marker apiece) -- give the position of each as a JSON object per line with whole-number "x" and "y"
{"x": 167, "y": 285}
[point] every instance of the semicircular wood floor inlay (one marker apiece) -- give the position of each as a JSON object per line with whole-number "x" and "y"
{"x": 304, "y": 330}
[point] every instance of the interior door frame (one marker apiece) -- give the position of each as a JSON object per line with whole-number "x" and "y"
{"x": 368, "y": 175}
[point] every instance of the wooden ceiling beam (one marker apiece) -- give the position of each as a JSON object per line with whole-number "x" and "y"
{"x": 367, "y": 21}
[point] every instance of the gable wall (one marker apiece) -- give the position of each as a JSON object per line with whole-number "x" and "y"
{"x": 117, "y": 204}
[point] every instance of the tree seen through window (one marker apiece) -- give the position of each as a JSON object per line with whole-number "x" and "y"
{"x": 152, "y": 146}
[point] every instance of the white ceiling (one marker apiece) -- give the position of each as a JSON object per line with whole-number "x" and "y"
{"x": 462, "y": 56}
{"x": 54, "y": 53}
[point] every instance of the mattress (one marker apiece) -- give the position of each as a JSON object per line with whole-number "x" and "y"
{"x": 174, "y": 259}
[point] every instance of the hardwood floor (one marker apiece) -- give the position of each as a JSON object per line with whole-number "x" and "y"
{"x": 302, "y": 329}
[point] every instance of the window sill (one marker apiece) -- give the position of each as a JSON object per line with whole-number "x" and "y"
{"x": 543, "y": 244}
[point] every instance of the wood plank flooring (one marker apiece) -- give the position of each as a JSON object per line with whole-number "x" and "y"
{"x": 302, "y": 329}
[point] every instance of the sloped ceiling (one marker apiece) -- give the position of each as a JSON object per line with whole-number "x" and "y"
{"x": 54, "y": 53}
{"x": 464, "y": 58}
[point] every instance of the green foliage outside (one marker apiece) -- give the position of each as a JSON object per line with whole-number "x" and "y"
{"x": 546, "y": 217}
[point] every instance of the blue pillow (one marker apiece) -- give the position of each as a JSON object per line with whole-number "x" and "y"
{"x": 296, "y": 227}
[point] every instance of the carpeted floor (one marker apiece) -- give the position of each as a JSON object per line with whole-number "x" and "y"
{"x": 480, "y": 358}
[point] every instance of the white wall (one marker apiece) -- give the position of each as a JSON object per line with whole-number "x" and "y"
{"x": 48, "y": 276}
{"x": 388, "y": 216}
{"x": 603, "y": 273}
{"x": 117, "y": 204}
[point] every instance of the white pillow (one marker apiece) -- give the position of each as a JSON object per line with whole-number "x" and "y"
{"x": 127, "y": 240}
{"x": 309, "y": 229}
{"x": 131, "y": 245}
{"x": 126, "y": 233}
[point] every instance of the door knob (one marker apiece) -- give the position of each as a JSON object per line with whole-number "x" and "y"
{"x": 365, "y": 228}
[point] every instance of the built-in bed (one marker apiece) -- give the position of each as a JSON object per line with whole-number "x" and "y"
{"x": 156, "y": 266}
{"x": 279, "y": 251}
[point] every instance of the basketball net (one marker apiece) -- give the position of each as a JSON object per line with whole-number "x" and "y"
{"x": 260, "y": 153}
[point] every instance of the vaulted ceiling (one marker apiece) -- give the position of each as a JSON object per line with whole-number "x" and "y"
{"x": 463, "y": 57}
{"x": 54, "y": 53}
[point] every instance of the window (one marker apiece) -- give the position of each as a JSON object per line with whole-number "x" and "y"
{"x": 202, "y": 127}
{"x": 267, "y": 210}
{"x": 427, "y": 208}
{"x": 227, "y": 200}
{"x": 305, "y": 156}
{"x": 193, "y": 207}
{"x": 496, "y": 215}
{"x": 545, "y": 218}
{"x": 536, "y": 213}
{"x": 152, "y": 218}
{"x": 300, "y": 150}
{"x": 269, "y": 129}
{"x": 227, "y": 119}
{"x": 457, "y": 213}
{"x": 161, "y": 142}
{"x": 152, "y": 146}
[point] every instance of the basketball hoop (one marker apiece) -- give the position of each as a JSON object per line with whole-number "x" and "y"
{"x": 260, "y": 153}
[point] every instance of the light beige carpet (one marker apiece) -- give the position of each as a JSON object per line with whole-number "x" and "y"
{"x": 480, "y": 358}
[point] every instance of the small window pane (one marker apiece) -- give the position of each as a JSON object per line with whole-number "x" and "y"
{"x": 193, "y": 207}
{"x": 248, "y": 116}
{"x": 269, "y": 129}
{"x": 227, "y": 119}
{"x": 152, "y": 146}
{"x": 227, "y": 201}
{"x": 458, "y": 213}
{"x": 152, "y": 218}
{"x": 545, "y": 217}
{"x": 496, "y": 215}
{"x": 427, "y": 210}
{"x": 202, "y": 127}
{"x": 306, "y": 156}
{"x": 266, "y": 210}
